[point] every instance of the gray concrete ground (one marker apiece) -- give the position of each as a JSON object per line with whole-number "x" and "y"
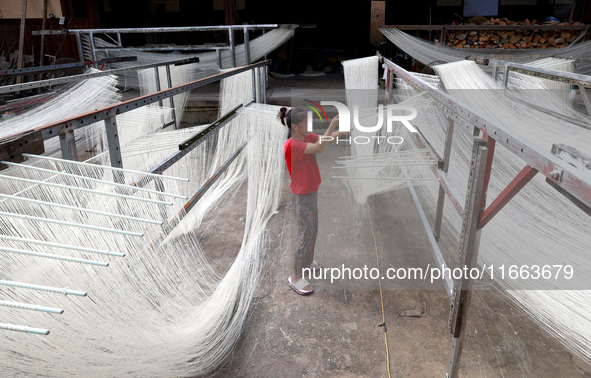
{"x": 336, "y": 331}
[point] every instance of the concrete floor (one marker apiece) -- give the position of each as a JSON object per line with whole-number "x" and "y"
{"x": 336, "y": 331}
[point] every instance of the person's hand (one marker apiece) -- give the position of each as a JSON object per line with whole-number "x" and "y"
{"x": 335, "y": 121}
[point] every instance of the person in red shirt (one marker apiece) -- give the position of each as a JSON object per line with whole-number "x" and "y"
{"x": 300, "y": 156}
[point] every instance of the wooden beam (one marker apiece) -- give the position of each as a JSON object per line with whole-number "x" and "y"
{"x": 21, "y": 40}
{"x": 42, "y": 50}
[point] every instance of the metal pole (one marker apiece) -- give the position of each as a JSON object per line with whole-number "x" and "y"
{"x": 80, "y": 48}
{"x": 218, "y": 54}
{"x": 81, "y": 209}
{"x": 54, "y": 257}
{"x": 169, "y": 81}
{"x": 441, "y": 197}
{"x": 79, "y": 225}
{"x": 265, "y": 85}
{"x": 585, "y": 99}
{"x": 469, "y": 244}
{"x": 24, "y": 285}
{"x": 107, "y": 55}
{"x": 158, "y": 87}
{"x": 232, "y": 56}
{"x": 68, "y": 145}
{"x": 26, "y": 306}
{"x": 256, "y": 73}
{"x": 93, "y": 47}
{"x": 20, "y": 328}
{"x": 114, "y": 148}
{"x": 63, "y": 246}
{"x": 105, "y": 167}
{"x": 92, "y": 191}
{"x": 247, "y": 62}
{"x": 506, "y": 77}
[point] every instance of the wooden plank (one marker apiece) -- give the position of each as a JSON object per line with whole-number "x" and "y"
{"x": 21, "y": 40}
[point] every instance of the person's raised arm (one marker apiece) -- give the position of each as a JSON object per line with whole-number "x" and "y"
{"x": 320, "y": 145}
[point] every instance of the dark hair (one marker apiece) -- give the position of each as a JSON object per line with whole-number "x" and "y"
{"x": 289, "y": 116}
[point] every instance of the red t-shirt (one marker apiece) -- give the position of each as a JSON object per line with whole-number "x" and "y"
{"x": 303, "y": 169}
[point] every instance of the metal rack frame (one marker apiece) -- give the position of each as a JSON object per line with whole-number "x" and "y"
{"x": 570, "y": 182}
{"x": 230, "y": 29}
{"x": 12, "y": 149}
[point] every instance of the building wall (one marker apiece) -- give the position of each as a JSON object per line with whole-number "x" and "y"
{"x": 79, "y": 14}
{"x": 14, "y": 8}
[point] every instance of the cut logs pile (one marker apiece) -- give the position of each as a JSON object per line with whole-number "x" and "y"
{"x": 512, "y": 39}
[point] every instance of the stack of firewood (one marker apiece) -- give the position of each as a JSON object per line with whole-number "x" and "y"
{"x": 514, "y": 39}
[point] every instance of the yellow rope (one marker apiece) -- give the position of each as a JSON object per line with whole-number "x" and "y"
{"x": 381, "y": 295}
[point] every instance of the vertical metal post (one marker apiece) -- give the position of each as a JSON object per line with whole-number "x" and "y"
{"x": 264, "y": 31}
{"x": 169, "y": 81}
{"x": 80, "y": 48}
{"x": 387, "y": 87}
{"x": 496, "y": 72}
{"x": 247, "y": 62}
{"x": 469, "y": 244}
{"x": 107, "y": 56}
{"x": 93, "y": 47}
{"x": 506, "y": 78}
{"x": 113, "y": 140}
{"x": 585, "y": 99}
{"x": 264, "y": 84}
{"x": 391, "y": 88}
{"x": 218, "y": 54}
{"x": 232, "y": 56}
{"x": 68, "y": 145}
{"x": 490, "y": 145}
{"x": 246, "y": 48}
{"x": 158, "y": 87}
{"x": 119, "y": 39}
{"x": 441, "y": 197}
{"x": 259, "y": 74}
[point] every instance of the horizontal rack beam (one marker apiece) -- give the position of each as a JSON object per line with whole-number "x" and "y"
{"x": 163, "y": 48}
{"x": 187, "y": 146}
{"x": 571, "y": 180}
{"x": 69, "y": 79}
{"x": 163, "y": 30}
{"x": 58, "y": 67}
{"x": 545, "y": 73}
{"x": 70, "y": 124}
